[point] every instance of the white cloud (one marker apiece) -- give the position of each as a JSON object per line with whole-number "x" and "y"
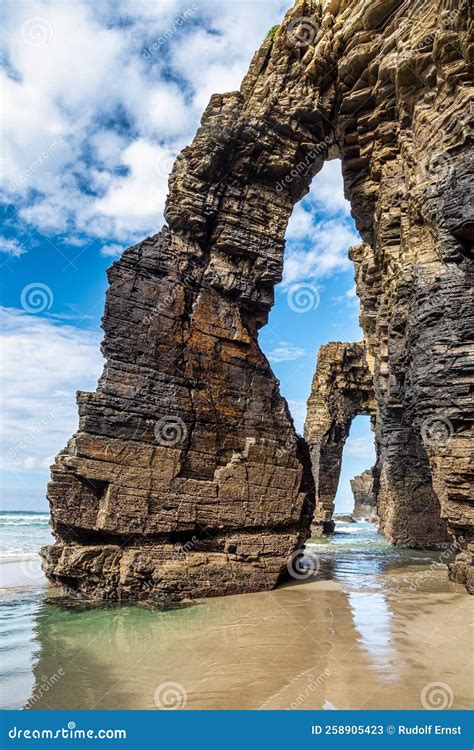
{"x": 85, "y": 122}
{"x": 11, "y": 247}
{"x": 327, "y": 192}
{"x": 148, "y": 167}
{"x": 285, "y": 353}
{"x": 349, "y": 298}
{"x": 360, "y": 447}
{"x": 111, "y": 251}
{"x": 323, "y": 252}
{"x": 298, "y": 412}
{"x": 320, "y": 231}
{"x": 351, "y": 293}
{"x": 44, "y": 362}
{"x": 32, "y": 463}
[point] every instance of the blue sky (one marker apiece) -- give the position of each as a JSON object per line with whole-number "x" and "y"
{"x": 99, "y": 97}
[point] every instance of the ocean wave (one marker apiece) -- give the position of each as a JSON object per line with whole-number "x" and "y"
{"x": 347, "y": 528}
{"x": 7, "y": 557}
{"x": 7, "y": 519}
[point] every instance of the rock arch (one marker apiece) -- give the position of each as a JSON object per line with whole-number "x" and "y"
{"x": 186, "y": 477}
{"x": 343, "y": 388}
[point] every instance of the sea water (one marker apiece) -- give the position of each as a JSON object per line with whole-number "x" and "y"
{"x": 367, "y": 625}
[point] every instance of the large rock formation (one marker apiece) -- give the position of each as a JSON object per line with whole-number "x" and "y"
{"x": 365, "y": 500}
{"x": 342, "y": 389}
{"x": 186, "y": 476}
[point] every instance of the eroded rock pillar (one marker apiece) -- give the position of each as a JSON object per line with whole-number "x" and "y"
{"x": 342, "y": 389}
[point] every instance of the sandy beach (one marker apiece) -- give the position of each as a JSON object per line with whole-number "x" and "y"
{"x": 373, "y": 629}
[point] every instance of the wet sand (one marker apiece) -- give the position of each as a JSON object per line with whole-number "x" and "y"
{"x": 341, "y": 640}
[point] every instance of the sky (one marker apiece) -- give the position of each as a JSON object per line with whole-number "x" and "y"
{"x": 98, "y": 98}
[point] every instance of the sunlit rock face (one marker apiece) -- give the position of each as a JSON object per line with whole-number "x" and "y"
{"x": 186, "y": 477}
{"x": 342, "y": 389}
{"x": 365, "y": 501}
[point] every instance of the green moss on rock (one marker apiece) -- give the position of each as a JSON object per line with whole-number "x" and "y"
{"x": 273, "y": 31}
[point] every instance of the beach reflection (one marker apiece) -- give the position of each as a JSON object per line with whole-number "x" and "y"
{"x": 354, "y": 636}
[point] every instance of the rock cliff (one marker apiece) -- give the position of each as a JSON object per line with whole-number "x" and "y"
{"x": 186, "y": 477}
{"x": 342, "y": 389}
{"x": 365, "y": 500}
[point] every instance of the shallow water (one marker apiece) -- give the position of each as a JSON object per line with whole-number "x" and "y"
{"x": 373, "y": 626}
{"x": 21, "y": 535}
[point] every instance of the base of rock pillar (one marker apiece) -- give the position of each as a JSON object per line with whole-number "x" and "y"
{"x": 461, "y": 570}
{"x": 322, "y": 528}
{"x": 169, "y": 572}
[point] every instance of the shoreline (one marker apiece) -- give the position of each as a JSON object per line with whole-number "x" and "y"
{"x": 21, "y": 573}
{"x": 371, "y": 629}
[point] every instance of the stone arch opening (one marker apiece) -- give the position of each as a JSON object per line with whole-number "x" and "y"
{"x": 342, "y": 389}
{"x": 316, "y": 295}
{"x": 355, "y": 494}
{"x": 187, "y": 428}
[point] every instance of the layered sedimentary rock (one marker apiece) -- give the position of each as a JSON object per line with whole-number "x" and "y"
{"x": 342, "y": 389}
{"x": 365, "y": 500}
{"x": 186, "y": 475}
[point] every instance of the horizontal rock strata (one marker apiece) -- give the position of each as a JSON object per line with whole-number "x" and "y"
{"x": 365, "y": 500}
{"x": 342, "y": 389}
{"x": 186, "y": 475}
